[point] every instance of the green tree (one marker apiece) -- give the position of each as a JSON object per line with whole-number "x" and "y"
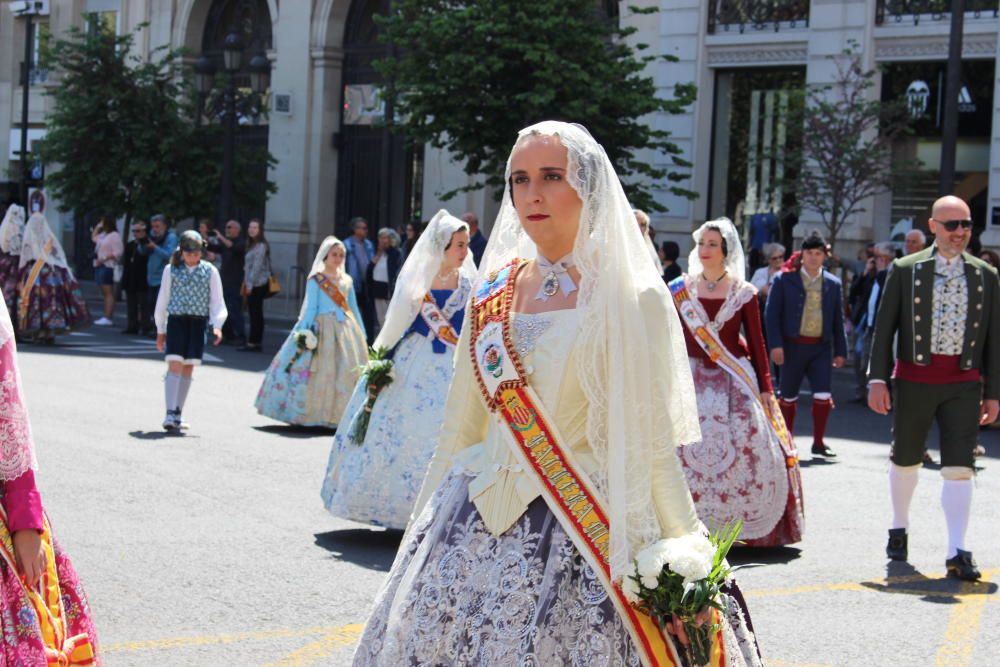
{"x": 470, "y": 74}
{"x": 124, "y": 137}
{"x": 844, "y": 152}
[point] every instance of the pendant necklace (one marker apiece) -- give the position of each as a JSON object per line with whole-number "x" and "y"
{"x": 551, "y": 284}
{"x": 712, "y": 284}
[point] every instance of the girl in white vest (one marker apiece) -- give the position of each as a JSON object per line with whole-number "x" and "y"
{"x": 189, "y": 302}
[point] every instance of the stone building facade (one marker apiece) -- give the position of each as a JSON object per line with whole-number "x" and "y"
{"x": 334, "y": 163}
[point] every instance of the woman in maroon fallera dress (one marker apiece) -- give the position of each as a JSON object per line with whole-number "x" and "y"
{"x": 745, "y": 466}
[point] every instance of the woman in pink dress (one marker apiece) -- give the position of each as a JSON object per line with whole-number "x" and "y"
{"x": 45, "y": 618}
{"x": 745, "y": 466}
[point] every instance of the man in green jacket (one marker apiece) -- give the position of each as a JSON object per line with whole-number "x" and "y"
{"x": 944, "y": 306}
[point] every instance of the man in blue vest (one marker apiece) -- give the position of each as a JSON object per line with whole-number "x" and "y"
{"x": 805, "y": 333}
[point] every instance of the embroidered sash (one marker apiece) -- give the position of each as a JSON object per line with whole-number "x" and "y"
{"x": 334, "y": 293}
{"x": 437, "y": 322}
{"x": 29, "y": 284}
{"x": 567, "y": 491}
{"x": 47, "y": 604}
{"x": 708, "y": 340}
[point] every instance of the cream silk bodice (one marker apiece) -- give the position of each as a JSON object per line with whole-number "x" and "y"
{"x": 477, "y": 442}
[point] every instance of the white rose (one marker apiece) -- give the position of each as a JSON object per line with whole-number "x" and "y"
{"x": 649, "y": 563}
{"x": 310, "y": 340}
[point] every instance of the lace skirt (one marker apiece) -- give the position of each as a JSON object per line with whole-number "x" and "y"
{"x": 400, "y": 441}
{"x": 458, "y": 595}
{"x": 314, "y": 391}
{"x": 55, "y": 304}
{"x": 739, "y": 470}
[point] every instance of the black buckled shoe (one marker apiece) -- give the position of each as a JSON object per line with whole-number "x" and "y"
{"x": 896, "y": 549}
{"x": 963, "y": 567}
{"x": 823, "y": 450}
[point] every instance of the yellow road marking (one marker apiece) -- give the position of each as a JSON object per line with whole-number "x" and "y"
{"x": 960, "y": 635}
{"x": 962, "y": 628}
{"x": 887, "y": 585}
{"x": 232, "y": 638}
{"x": 322, "y": 648}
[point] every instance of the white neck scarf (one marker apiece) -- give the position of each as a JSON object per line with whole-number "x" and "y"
{"x": 556, "y": 278}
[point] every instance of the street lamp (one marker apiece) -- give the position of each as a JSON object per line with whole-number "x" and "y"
{"x": 26, "y": 9}
{"x": 205, "y": 70}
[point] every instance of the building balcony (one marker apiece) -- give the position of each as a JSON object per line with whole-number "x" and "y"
{"x": 741, "y": 15}
{"x": 915, "y": 11}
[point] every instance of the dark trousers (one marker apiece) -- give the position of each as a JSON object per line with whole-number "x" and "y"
{"x": 233, "y": 329}
{"x": 140, "y": 317}
{"x": 918, "y": 405}
{"x": 151, "y": 294}
{"x": 255, "y": 309}
{"x": 813, "y": 361}
{"x": 367, "y": 308}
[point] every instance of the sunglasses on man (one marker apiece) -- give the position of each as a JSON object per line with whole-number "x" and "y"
{"x": 952, "y": 225}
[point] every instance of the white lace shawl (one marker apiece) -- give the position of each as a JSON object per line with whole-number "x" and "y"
{"x": 17, "y": 448}
{"x": 38, "y": 234}
{"x": 12, "y": 230}
{"x": 417, "y": 275}
{"x": 740, "y": 294}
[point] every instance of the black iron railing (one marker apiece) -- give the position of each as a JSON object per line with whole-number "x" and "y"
{"x": 936, "y": 10}
{"x": 739, "y": 15}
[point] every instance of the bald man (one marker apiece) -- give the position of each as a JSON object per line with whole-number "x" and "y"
{"x": 944, "y": 304}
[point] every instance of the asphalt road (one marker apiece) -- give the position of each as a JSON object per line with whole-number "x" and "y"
{"x": 213, "y": 548}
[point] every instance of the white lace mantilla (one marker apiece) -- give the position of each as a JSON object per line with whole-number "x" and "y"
{"x": 740, "y": 294}
{"x": 16, "y": 451}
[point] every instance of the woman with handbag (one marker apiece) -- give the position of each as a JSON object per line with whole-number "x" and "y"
{"x": 256, "y": 282}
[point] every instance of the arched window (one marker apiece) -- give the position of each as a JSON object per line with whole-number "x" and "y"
{"x": 250, "y": 19}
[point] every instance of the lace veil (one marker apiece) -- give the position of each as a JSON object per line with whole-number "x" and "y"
{"x": 633, "y": 366}
{"x": 735, "y": 263}
{"x": 319, "y": 265}
{"x": 36, "y": 235}
{"x": 417, "y": 274}
{"x": 319, "y": 261}
{"x": 17, "y": 448}
{"x": 12, "y": 230}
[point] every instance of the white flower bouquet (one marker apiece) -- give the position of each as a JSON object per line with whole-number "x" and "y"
{"x": 305, "y": 339}
{"x": 680, "y": 579}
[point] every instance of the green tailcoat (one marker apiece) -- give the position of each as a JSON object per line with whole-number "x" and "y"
{"x": 906, "y": 309}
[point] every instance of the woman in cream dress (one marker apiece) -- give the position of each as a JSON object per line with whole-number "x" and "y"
{"x": 488, "y": 573}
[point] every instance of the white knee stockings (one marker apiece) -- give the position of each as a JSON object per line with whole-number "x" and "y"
{"x": 176, "y": 388}
{"x": 902, "y": 484}
{"x": 956, "y": 501}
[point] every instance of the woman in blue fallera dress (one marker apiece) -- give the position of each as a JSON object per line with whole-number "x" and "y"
{"x": 311, "y": 387}
{"x": 378, "y": 480}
